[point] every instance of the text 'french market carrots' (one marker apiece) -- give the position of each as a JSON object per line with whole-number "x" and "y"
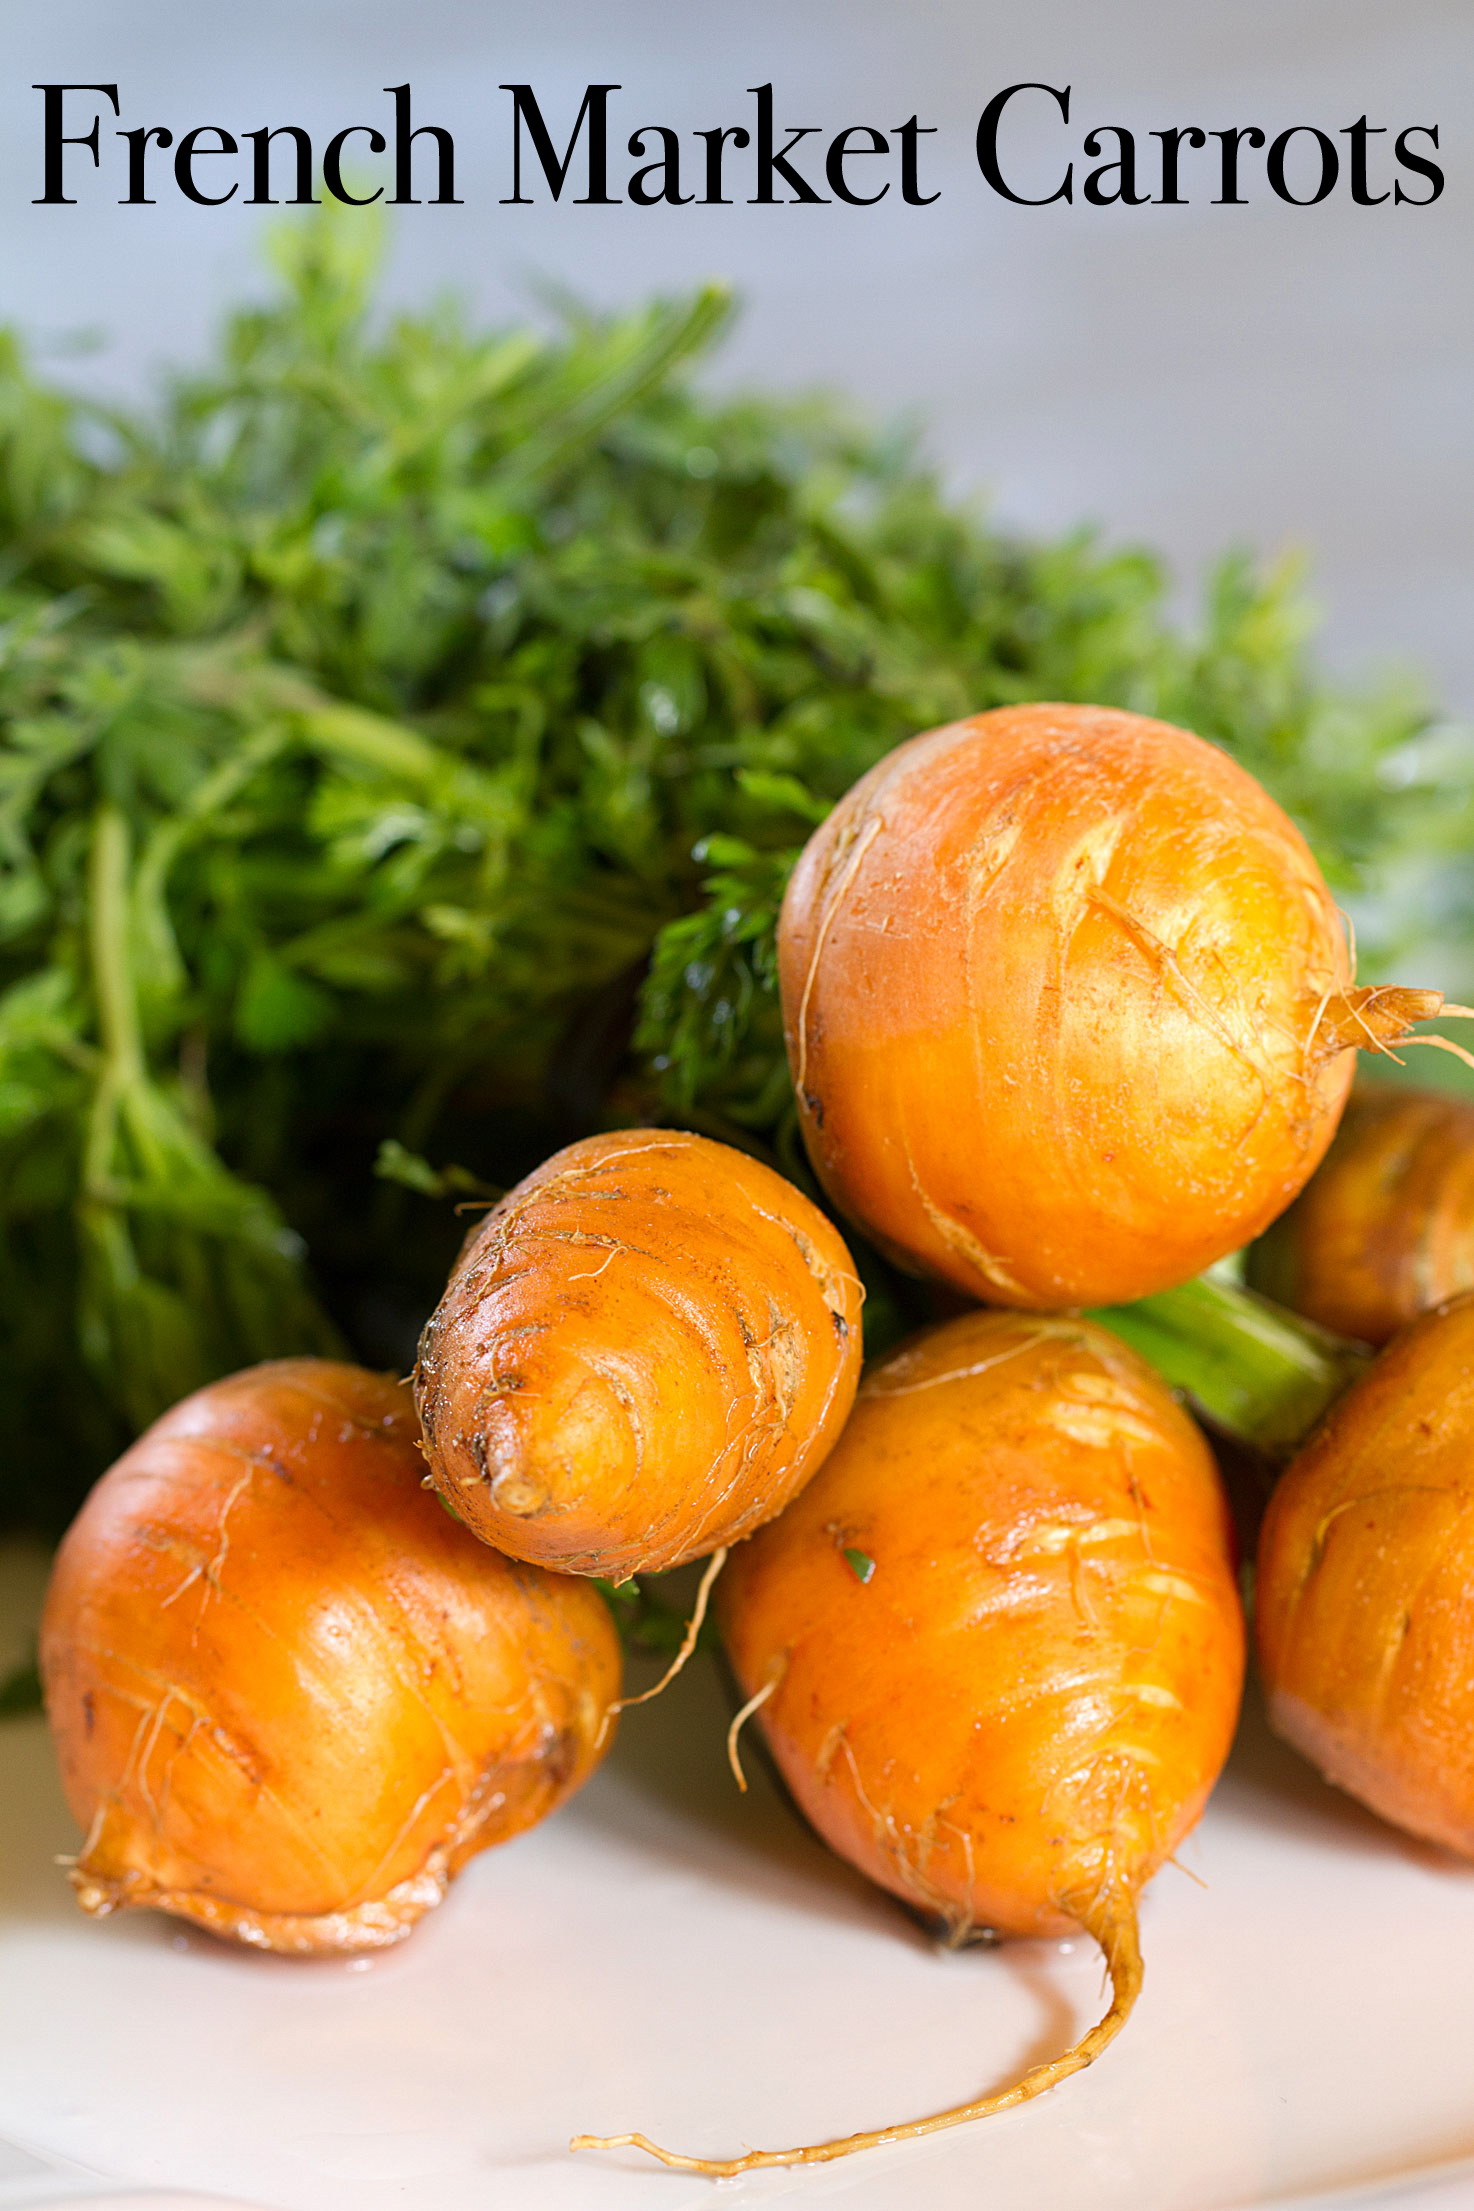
{"x": 290, "y": 1696}
{"x": 997, "y": 1649}
{"x": 1364, "y": 1600}
{"x": 1070, "y": 1011}
{"x": 644, "y": 1352}
{"x": 1384, "y": 1229}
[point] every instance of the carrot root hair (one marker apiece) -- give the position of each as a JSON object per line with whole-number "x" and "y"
{"x": 1377, "y": 1016}
{"x": 1436, "y": 1044}
{"x": 714, "y": 1566}
{"x": 1112, "y": 1923}
{"x": 740, "y": 1720}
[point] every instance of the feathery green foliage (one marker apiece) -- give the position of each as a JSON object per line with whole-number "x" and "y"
{"x": 400, "y": 719}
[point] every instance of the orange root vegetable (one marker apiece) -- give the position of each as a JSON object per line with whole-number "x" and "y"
{"x": 1365, "y": 1591}
{"x": 290, "y": 1697}
{"x": 646, "y": 1350}
{"x": 996, "y": 1648}
{"x": 1384, "y": 1229}
{"x": 1069, "y": 1008}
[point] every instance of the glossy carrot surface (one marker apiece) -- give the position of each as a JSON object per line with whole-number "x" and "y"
{"x": 290, "y": 1696}
{"x": 1069, "y": 1007}
{"x": 643, "y": 1354}
{"x": 1365, "y": 1591}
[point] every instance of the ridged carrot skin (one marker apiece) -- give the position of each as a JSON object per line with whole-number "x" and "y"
{"x": 1069, "y": 1007}
{"x": 1001, "y": 1626}
{"x": 1384, "y": 1229}
{"x": 996, "y": 1649}
{"x": 1364, "y": 1600}
{"x": 643, "y": 1354}
{"x": 290, "y": 1697}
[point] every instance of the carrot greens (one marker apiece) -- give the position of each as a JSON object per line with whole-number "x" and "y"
{"x": 405, "y": 735}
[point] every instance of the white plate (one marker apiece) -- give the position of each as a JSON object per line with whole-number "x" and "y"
{"x": 668, "y": 1955}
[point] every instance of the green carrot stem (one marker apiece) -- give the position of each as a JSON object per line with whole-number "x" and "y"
{"x": 1254, "y": 1371}
{"x": 117, "y": 1011}
{"x": 117, "y": 1008}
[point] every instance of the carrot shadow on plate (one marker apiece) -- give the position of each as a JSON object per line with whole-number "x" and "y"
{"x": 1054, "y": 2025}
{"x": 669, "y": 1792}
{"x": 1268, "y": 1782}
{"x": 36, "y": 1829}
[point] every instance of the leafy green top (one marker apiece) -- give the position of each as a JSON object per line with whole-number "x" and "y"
{"x": 398, "y": 715}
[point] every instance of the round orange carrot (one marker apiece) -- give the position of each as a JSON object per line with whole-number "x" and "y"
{"x": 290, "y": 1697}
{"x": 1069, "y": 1008}
{"x": 1365, "y": 1592}
{"x": 1384, "y": 1229}
{"x": 642, "y": 1355}
{"x": 996, "y": 1647}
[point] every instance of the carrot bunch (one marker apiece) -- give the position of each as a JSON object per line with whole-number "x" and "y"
{"x": 291, "y": 1693}
{"x": 1070, "y": 1015}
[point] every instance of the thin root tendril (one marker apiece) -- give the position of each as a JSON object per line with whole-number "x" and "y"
{"x": 1112, "y": 1922}
{"x": 1438, "y": 1044}
{"x": 753, "y": 1704}
{"x": 714, "y": 1566}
